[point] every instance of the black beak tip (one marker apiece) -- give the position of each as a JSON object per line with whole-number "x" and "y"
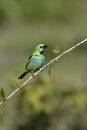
{"x": 45, "y": 46}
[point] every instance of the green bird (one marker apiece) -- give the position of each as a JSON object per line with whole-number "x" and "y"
{"x": 35, "y": 61}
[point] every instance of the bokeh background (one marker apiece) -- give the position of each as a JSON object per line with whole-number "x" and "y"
{"x": 50, "y": 102}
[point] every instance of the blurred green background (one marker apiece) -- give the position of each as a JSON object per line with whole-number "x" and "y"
{"x": 56, "y": 102}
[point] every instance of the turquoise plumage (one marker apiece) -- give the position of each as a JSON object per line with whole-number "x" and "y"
{"x": 35, "y": 61}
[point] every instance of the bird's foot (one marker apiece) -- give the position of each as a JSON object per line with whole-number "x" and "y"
{"x": 33, "y": 75}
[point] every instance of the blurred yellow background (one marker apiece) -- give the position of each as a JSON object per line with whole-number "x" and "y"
{"x": 56, "y": 102}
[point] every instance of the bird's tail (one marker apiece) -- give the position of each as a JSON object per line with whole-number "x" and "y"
{"x": 22, "y": 75}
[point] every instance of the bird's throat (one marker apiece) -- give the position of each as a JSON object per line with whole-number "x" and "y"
{"x": 41, "y": 52}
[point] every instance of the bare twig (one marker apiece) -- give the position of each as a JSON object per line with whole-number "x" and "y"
{"x": 41, "y": 69}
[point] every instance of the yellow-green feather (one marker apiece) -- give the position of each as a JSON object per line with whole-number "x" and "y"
{"x": 36, "y": 53}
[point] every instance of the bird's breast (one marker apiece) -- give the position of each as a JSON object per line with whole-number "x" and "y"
{"x": 38, "y": 59}
{"x": 35, "y": 63}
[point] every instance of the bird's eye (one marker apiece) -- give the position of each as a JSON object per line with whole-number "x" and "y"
{"x": 41, "y": 46}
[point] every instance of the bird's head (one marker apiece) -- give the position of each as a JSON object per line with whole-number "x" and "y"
{"x": 40, "y": 48}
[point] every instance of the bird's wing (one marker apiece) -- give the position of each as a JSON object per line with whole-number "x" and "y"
{"x": 29, "y": 59}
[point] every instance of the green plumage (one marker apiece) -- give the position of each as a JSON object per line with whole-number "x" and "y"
{"x": 35, "y": 61}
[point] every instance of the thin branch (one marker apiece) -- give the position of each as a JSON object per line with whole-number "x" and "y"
{"x": 41, "y": 69}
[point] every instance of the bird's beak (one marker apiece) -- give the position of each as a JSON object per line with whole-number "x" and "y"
{"x": 45, "y": 46}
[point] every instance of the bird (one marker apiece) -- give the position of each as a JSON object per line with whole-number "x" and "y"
{"x": 35, "y": 60}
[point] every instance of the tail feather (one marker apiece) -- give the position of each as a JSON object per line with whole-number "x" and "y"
{"x": 22, "y": 75}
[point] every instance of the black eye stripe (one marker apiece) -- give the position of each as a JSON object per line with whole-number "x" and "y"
{"x": 41, "y": 46}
